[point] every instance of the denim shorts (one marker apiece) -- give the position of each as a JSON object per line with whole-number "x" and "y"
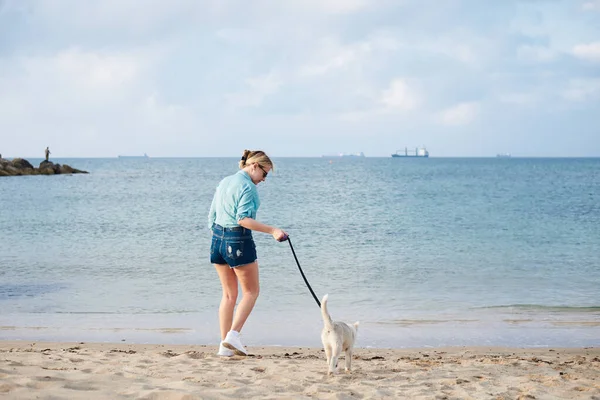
{"x": 232, "y": 246}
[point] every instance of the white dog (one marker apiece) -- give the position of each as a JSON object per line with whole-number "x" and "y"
{"x": 337, "y": 337}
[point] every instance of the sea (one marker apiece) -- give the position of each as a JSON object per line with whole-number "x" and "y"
{"x": 422, "y": 252}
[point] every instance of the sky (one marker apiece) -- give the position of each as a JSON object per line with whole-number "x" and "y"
{"x": 299, "y": 78}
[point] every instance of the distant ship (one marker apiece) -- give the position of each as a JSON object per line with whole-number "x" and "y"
{"x": 361, "y": 154}
{"x": 144, "y": 156}
{"x": 419, "y": 152}
{"x": 503, "y": 155}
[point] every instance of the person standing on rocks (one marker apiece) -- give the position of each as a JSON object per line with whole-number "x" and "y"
{"x": 47, "y": 153}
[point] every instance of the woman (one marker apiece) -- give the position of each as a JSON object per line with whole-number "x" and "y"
{"x": 232, "y": 218}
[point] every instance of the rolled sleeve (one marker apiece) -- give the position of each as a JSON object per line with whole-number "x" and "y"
{"x": 246, "y": 207}
{"x": 212, "y": 214}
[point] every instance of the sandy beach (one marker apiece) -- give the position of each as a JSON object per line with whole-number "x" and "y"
{"x": 39, "y": 370}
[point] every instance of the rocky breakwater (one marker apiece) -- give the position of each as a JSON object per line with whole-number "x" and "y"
{"x": 20, "y": 166}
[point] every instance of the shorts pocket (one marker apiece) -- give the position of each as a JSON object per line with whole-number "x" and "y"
{"x": 214, "y": 245}
{"x": 234, "y": 249}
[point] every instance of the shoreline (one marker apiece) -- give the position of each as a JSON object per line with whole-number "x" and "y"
{"x": 30, "y": 369}
{"x": 262, "y": 331}
{"x": 260, "y": 350}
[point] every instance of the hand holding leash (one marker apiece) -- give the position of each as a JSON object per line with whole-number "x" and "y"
{"x": 279, "y": 235}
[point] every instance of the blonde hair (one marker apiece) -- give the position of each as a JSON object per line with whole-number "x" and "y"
{"x": 255, "y": 157}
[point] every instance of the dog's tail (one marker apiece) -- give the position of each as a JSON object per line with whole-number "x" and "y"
{"x": 325, "y": 313}
{"x": 355, "y": 325}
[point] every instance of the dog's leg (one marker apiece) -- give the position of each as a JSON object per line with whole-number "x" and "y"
{"x": 333, "y": 364}
{"x": 335, "y": 353}
{"x": 348, "y": 360}
{"x": 327, "y": 352}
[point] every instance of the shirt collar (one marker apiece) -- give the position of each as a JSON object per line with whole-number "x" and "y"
{"x": 245, "y": 174}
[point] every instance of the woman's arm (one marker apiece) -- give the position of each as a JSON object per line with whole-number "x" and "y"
{"x": 254, "y": 225}
{"x": 212, "y": 214}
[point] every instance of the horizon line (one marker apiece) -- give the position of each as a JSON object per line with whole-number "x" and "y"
{"x": 276, "y": 157}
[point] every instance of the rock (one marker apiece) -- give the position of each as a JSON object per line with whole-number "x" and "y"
{"x": 11, "y": 171}
{"x": 21, "y": 163}
{"x": 46, "y": 170}
{"x": 49, "y": 168}
{"x": 20, "y": 166}
{"x": 66, "y": 169}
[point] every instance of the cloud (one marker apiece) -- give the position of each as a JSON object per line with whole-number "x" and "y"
{"x": 519, "y": 98}
{"x": 588, "y": 52}
{"x": 120, "y": 15}
{"x": 330, "y": 55}
{"x": 399, "y": 97}
{"x": 73, "y": 79}
{"x": 460, "y": 114}
{"x": 581, "y": 90}
{"x": 540, "y": 54}
{"x": 591, "y": 5}
{"x": 333, "y": 6}
{"x": 259, "y": 88}
{"x": 126, "y": 75}
{"x": 84, "y": 101}
{"x": 93, "y": 71}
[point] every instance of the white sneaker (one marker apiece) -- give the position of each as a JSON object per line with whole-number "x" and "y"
{"x": 232, "y": 342}
{"x": 224, "y": 351}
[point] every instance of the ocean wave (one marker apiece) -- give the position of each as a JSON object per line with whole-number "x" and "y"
{"x": 544, "y": 308}
{"x": 11, "y": 291}
{"x": 411, "y": 322}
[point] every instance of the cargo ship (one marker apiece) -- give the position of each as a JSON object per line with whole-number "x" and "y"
{"x": 144, "y": 156}
{"x": 419, "y": 152}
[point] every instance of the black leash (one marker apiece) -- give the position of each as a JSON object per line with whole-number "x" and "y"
{"x": 302, "y": 272}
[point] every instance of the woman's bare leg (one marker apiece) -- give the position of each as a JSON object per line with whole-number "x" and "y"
{"x": 229, "y": 283}
{"x": 247, "y": 275}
